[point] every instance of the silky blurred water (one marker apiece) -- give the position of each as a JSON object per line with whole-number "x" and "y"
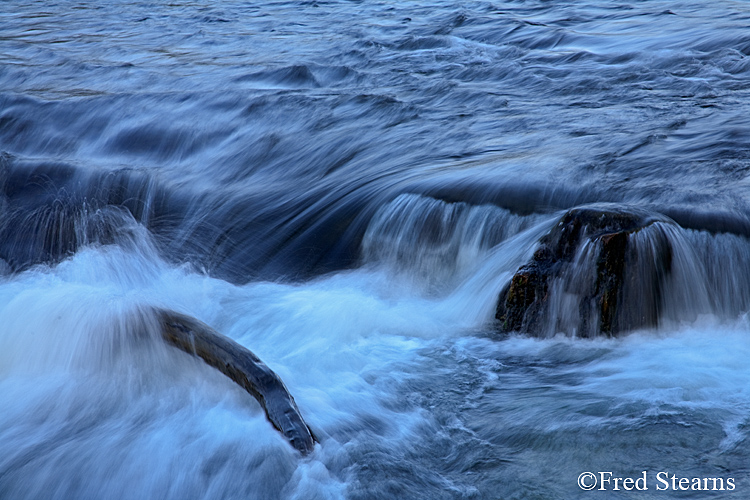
{"x": 344, "y": 187}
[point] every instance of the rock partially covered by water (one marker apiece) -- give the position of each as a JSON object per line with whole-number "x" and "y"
{"x": 599, "y": 271}
{"x": 244, "y": 368}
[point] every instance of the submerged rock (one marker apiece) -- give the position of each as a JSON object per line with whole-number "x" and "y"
{"x": 599, "y": 271}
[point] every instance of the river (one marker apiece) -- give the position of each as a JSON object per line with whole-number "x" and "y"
{"x": 344, "y": 188}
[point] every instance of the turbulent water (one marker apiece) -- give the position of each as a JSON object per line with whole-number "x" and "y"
{"x": 344, "y": 188}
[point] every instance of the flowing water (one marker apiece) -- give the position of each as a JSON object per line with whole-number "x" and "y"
{"x": 345, "y": 187}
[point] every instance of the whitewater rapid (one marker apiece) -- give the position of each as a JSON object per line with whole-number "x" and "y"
{"x": 345, "y": 188}
{"x": 398, "y": 379}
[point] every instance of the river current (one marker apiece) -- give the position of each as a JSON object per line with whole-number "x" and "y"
{"x": 344, "y": 188}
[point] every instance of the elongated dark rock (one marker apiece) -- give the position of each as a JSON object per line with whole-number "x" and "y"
{"x": 243, "y": 367}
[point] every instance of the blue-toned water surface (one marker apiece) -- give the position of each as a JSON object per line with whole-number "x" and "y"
{"x": 344, "y": 187}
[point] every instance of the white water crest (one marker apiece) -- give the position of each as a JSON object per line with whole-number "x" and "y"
{"x": 375, "y": 365}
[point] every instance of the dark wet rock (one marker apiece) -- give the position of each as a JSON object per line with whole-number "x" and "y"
{"x": 245, "y": 369}
{"x": 599, "y": 271}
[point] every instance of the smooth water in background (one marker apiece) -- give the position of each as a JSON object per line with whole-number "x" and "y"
{"x": 344, "y": 187}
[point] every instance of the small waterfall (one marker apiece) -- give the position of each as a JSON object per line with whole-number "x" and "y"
{"x": 606, "y": 271}
{"x": 434, "y": 242}
{"x": 599, "y": 292}
{"x": 709, "y": 275}
{"x": 603, "y": 269}
{"x": 52, "y": 232}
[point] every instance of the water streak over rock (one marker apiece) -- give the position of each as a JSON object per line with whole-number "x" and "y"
{"x": 588, "y": 277}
